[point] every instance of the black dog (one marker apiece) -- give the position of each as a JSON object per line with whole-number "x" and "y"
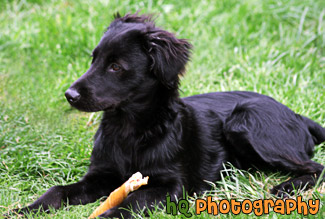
{"x": 147, "y": 127}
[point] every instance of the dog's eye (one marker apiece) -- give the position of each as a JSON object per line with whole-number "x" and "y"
{"x": 114, "y": 67}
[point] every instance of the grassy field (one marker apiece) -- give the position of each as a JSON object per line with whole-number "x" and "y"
{"x": 273, "y": 47}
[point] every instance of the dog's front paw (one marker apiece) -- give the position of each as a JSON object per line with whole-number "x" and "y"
{"x": 116, "y": 213}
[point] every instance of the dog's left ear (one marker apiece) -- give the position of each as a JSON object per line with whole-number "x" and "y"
{"x": 169, "y": 56}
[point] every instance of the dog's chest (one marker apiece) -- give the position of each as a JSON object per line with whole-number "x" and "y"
{"x": 117, "y": 153}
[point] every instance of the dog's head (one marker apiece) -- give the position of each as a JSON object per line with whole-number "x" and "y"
{"x": 133, "y": 59}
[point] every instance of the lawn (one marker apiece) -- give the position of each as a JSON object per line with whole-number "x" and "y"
{"x": 275, "y": 47}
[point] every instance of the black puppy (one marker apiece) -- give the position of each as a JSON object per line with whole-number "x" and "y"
{"x": 147, "y": 127}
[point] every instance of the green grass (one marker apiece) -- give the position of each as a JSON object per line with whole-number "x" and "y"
{"x": 273, "y": 47}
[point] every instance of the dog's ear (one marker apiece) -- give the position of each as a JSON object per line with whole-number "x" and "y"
{"x": 169, "y": 56}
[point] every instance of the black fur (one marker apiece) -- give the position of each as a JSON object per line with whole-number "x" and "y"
{"x": 175, "y": 141}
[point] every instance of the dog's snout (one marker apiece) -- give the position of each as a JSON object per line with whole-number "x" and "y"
{"x": 72, "y": 95}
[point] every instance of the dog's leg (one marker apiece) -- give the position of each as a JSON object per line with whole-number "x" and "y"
{"x": 312, "y": 172}
{"x": 140, "y": 200}
{"x": 89, "y": 189}
{"x": 267, "y": 134}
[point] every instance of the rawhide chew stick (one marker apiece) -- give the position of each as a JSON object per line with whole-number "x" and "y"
{"x": 118, "y": 195}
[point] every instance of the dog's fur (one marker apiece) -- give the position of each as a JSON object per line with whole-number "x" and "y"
{"x": 147, "y": 127}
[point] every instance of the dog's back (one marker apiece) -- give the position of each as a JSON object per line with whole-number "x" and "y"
{"x": 244, "y": 114}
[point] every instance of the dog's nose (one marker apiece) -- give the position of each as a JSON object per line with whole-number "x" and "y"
{"x": 72, "y": 95}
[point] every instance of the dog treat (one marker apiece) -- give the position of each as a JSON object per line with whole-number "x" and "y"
{"x": 118, "y": 195}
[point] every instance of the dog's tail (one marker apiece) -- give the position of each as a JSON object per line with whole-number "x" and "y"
{"x": 317, "y": 131}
